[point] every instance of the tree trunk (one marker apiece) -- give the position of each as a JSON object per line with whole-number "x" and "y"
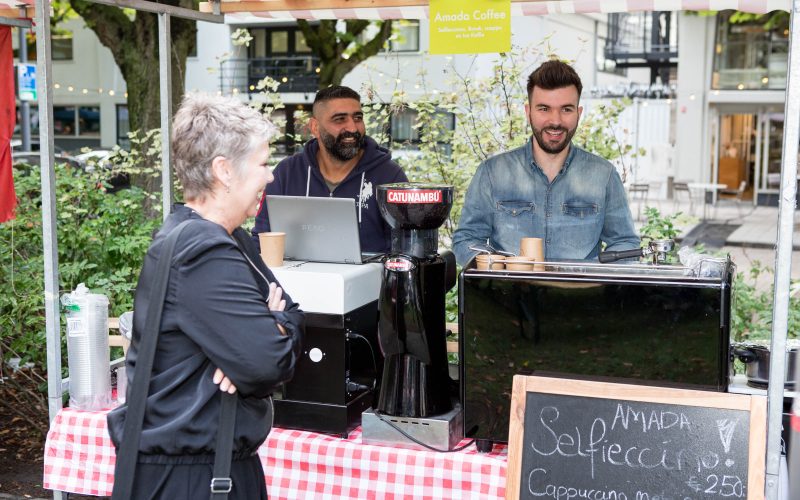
{"x": 330, "y": 46}
{"x": 134, "y": 45}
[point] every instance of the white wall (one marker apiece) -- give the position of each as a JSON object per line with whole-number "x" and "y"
{"x": 694, "y": 72}
{"x": 213, "y": 43}
{"x": 570, "y": 36}
{"x": 645, "y": 124}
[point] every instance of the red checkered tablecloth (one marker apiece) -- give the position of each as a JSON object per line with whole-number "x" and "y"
{"x": 79, "y": 458}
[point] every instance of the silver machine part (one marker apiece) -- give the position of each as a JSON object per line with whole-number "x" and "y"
{"x": 443, "y": 432}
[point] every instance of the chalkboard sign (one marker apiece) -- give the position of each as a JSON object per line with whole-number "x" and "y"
{"x": 571, "y": 439}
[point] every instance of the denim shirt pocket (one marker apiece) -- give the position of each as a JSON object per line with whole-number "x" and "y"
{"x": 579, "y": 209}
{"x": 579, "y": 226}
{"x": 516, "y": 208}
{"x": 513, "y": 218}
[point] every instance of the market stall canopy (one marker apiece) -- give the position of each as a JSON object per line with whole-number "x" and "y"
{"x": 418, "y": 9}
{"x": 16, "y": 9}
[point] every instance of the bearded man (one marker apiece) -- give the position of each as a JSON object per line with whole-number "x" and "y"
{"x": 342, "y": 162}
{"x": 549, "y": 188}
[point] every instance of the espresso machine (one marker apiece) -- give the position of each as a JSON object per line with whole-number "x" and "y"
{"x": 416, "y": 398}
{"x": 654, "y": 324}
{"x": 336, "y": 376}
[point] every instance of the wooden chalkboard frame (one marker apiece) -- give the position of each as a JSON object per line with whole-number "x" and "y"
{"x": 755, "y": 405}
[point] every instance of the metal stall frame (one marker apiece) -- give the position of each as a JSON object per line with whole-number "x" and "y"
{"x": 389, "y": 9}
{"x": 44, "y": 87}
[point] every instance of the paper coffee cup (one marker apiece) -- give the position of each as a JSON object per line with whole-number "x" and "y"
{"x": 534, "y": 249}
{"x": 272, "y": 244}
{"x": 490, "y": 262}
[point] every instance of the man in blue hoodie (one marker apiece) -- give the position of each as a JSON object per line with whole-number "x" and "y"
{"x": 342, "y": 162}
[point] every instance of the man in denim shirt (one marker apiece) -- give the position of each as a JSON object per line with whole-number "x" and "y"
{"x": 548, "y": 188}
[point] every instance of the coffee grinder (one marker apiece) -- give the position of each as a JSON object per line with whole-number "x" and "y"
{"x": 415, "y": 402}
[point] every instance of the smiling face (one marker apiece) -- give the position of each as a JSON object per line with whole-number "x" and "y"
{"x": 554, "y": 116}
{"x": 250, "y": 183}
{"x": 338, "y": 124}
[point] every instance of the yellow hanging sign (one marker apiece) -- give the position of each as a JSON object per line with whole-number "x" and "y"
{"x": 461, "y": 27}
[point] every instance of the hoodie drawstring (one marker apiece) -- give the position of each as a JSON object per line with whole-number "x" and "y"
{"x": 308, "y": 181}
{"x": 360, "y": 196}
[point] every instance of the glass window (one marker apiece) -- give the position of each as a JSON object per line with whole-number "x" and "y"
{"x": 300, "y": 45}
{"x": 33, "y": 113}
{"x": 64, "y": 120}
{"x": 61, "y": 45}
{"x": 402, "y": 126}
{"x": 750, "y": 55}
{"x": 193, "y": 49}
{"x": 258, "y": 46}
{"x": 604, "y": 64}
{"x": 123, "y": 127}
{"x": 302, "y": 129}
{"x": 89, "y": 120}
{"x": 279, "y": 41}
{"x": 279, "y": 146}
{"x": 405, "y": 37}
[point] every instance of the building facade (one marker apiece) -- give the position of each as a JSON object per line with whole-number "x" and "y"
{"x": 736, "y": 96}
{"x": 89, "y": 91}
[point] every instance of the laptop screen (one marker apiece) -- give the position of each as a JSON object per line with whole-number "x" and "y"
{"x": 317, "y": 229}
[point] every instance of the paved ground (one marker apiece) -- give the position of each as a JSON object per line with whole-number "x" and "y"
{"x": 751, "y": 237}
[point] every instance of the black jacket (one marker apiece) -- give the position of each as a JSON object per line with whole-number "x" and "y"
{"x": 215, "y": 315}
{"x": 375, "y": 168}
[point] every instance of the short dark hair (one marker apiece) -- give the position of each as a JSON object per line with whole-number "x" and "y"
{"x": 334, "y": 92}
{"x": 554, "y": 74}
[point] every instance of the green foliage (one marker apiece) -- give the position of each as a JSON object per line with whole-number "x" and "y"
{"x": 751, "y": 311}
{"x": 598, "y": 133}
{"x": 102, "y": 239}
{"x": 342, "y": 45}
{"x": 490, "y": 119}
{"x": 777, "y": 19}
{"x": 662, "y": 227}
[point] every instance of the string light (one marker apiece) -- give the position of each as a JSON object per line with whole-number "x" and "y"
{"x": 84, "y": 90}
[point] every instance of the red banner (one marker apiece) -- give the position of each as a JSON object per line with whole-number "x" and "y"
{"x": 8, "y": 115}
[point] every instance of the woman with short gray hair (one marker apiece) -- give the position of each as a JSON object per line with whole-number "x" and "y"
{"x": 226, "y": 323}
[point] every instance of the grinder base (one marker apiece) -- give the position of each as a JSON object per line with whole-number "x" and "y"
{"x": 443, "y": 432}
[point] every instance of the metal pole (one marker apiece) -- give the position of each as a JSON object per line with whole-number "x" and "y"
{"x": 44, "y": 91}
{"x": 25, "y": 107}
{"x": 783, "y": 258}
{"x": 165, "y": 84}
{"x": 794, "y": 443}
{"x": 637, "y": 105}
{"x": 594, "y": 51}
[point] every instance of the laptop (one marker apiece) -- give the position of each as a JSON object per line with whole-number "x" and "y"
{"x": 318, "y": 229}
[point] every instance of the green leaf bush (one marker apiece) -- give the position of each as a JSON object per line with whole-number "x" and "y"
{"x": 102, "y": 239}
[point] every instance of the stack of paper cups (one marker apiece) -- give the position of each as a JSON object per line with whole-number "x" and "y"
{"x": 534, "y": 249}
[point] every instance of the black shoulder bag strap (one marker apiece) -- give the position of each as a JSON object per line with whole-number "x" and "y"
{"x": 221, "y": 482}
{"x": 134, "y": 419}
